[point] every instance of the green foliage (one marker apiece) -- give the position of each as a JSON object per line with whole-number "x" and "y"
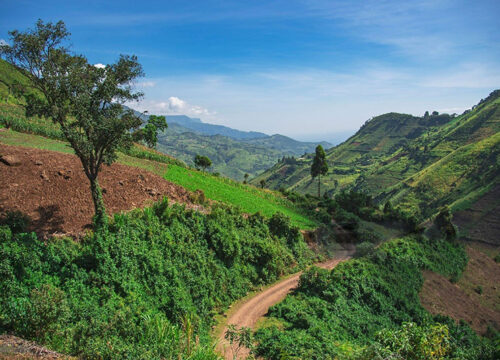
{"x": 365, "y": 248}
{"x": 239, "y": 339}
{"x": 444, "y": 224}
{"x": 149, "y": 133}
{"x": 85, "y": 101}
{"x": 146, "y": 287}
{"x": 359, "y": 309}
{"x": 411, "y": 342}
{"x": 202, "y": 162}
{"x": 319, "y": 166}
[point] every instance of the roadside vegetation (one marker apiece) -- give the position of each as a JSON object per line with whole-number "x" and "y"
{"x": 145, "y": 287}
{"x": 368, "y": 308}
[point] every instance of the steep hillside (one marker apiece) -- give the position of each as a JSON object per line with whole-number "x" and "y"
{"x": 418, "y": 162}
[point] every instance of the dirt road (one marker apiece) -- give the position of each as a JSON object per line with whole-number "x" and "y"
{"x": 256, "y": 307}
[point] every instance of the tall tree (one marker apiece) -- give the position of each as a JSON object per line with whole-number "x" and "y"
{"x": 86, "y": 101}
{"x": 319, "y": 166}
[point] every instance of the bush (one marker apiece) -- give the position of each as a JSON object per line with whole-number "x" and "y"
{"x": 365, "y": 248}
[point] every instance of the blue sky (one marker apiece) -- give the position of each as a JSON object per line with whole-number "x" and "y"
{"x": 306, "y": 69}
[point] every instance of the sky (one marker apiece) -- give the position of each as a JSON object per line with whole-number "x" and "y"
{"x": 306, "y": 69}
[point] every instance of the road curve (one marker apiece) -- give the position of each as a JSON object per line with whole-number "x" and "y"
{"x": 249, "y": 312}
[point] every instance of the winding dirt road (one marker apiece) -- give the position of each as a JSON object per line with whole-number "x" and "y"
{"x": 248, "y": 313}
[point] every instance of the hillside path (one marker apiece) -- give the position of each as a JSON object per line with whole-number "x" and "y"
{"x": 249, "y": 312}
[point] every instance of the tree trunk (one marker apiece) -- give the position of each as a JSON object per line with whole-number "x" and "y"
{"x": 100, "y": 211}
{"x": 319, "y": 185}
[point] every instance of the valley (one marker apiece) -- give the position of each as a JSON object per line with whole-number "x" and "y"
{"x": 116, "y": 244}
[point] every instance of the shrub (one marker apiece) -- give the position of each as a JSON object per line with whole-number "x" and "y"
{"x": 365, "y": 248}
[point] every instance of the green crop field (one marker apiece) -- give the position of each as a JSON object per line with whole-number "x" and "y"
{"x": 249, "y": 198}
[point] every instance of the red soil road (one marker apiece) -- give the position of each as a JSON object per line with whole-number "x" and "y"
{"x": 256, "y": 307}
{"x": 52, "y": 189}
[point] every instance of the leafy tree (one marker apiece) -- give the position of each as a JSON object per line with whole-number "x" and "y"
{"x": 83, "y": 99}
{"x": 319, "y": 166}
{"x": 262, "y": 183}
{"x": 150, "y": 132}
{"x": 201, "y": 161}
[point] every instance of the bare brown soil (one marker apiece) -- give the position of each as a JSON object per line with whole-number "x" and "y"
{"x": 475, "y": 298}
{"x": 14, "y": 348}
{"x": 481, "y": 222}
{"x": 52, "y": 189}
{"x": 248, "y": 313}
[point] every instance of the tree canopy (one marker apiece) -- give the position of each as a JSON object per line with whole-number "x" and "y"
{"x": 319, "y": 166}
{"x": 85, "y": 100}
{"x": 203, "y": 162}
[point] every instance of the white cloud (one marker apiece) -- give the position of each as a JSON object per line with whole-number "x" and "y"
{"x": 174, "y": 106}
{"x": 3, "y": 42}
{"x": 100, "y": 66}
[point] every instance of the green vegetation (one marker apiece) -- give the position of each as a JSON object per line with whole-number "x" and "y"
{"x": 418, "y": 163}
{"x": 319, "y": 166}
{"x": 230, "y": 157}
{"x": 149, "y": 133}
{"x": 202, "y": 162}
{"x": 248, "y": 198}
{"x": 359, "y": 309}
{"x": 145, "y": 287}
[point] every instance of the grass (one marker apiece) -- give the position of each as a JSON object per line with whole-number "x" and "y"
{"x": 250, "y": 199}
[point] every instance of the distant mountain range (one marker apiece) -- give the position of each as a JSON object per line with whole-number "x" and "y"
{"x": 234, "y": 153}
{"x": 196, "y": 125}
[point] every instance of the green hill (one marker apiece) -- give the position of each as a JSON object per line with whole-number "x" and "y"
{"x": 420, "y": 163}
{"x": 232, "y": 158}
